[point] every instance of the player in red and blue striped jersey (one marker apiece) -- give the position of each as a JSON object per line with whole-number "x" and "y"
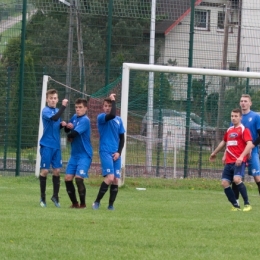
{"x": 237, "y": 141}
{"x": 251, "y": 120}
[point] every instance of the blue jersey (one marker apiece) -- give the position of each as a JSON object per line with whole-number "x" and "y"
{"x": 109, "y": 132}
{"x": 251, "y": 120}
{"x": 51, "y": 128}
{"x": 81, "y": 144}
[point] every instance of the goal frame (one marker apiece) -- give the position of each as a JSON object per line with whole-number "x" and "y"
{"x": 127, "y": 67}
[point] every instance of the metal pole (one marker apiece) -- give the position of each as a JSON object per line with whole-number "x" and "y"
{"x": 221, "y": 98}
{"x": 21, "y": 89}
{"x": 149, "y": 144}
{"x": 188, "y": 104}
{"x": 202, "y": 105}
{"x": 7, "y": 115}
{"x": 69, "y": 60}
{"x": 109, "y": 34}
{"x": 159, "y": 134}
{"x": 247, "y": 81}
{"x": 80, "y": 48}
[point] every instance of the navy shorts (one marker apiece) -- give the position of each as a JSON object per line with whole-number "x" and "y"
{"x": 50, "y": 156}
{"x": 231, "y": 170}
{"x": 109, "y": 166}
{"x": 79, "y": 166}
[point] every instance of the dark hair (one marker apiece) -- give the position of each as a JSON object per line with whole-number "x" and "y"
{"x": 108, "y": 100}
{"x": 51, "y": 92}
{"x": 237, "y": 110}
{"x": 81, "y": 101}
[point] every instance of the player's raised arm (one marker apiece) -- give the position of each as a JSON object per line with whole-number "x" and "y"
{"x": 61, "y": 110}
{"x": 110, "y": 107}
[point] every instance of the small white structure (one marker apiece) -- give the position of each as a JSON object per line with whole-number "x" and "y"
{"x": 173, "y": 133}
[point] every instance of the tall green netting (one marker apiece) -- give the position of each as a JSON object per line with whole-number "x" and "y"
{"x": 83, "y": 44}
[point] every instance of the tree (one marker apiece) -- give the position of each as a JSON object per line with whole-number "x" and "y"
{"x": 198, "y": 94}
{"x": 212, "y": 108}
{"x": 49, "y": 34}
{"x": 138, "y": 92}
{"x": 30, "y": 105}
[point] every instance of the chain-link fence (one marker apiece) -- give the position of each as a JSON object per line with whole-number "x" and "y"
{"x": 83, "y": 44}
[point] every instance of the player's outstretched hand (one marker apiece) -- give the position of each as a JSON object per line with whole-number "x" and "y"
{"x": 70, "y": 126}
{"x": 65, "y": 102}
{"x": 112, "y": 97}
{"x": 63, "y": 123}
{"x": 212, "y": 157}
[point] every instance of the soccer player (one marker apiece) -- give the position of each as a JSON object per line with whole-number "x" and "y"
{"x": 50, "y": 149}
{"x": 111, "y": 143}
{"x": 79, "y": 132}
{"x": 251, "y": 120}
{"x": 238, "y": 142}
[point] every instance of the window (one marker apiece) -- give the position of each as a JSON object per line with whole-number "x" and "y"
{"x": 202, "y": 19}
{"x": 221, "y": 20}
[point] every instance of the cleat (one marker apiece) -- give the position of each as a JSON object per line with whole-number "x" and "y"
{"x": 247, "y": 207}
{"x": 42, "y": 204}
{"x": 110, "y": 208}
{"x": 95, "y": 205}
{"x": 235, "y": 209}
{"x": 55, "y": 201}
{"x": 74, "y": 206}
{"x": 82, "y": 206}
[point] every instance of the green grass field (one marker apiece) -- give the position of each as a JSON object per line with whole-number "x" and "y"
{"x": 171, "y": 219}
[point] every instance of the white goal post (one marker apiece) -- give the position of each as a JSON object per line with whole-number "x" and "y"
{"x": 40, "y": 131}
{"x": 166, "y": 69}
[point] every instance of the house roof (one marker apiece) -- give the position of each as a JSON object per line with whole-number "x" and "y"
{"x": 174, "y": 10}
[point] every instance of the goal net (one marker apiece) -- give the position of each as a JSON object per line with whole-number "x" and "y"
{"x": 172, "y": 122}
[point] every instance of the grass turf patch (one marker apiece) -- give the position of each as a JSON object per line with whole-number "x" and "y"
{"x": 169, "y": 220}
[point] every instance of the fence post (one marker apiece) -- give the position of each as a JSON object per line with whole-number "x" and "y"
{"x": 186, "y": 153}
{"x": 7, "y": 115}
{"x": 21, "y": 88}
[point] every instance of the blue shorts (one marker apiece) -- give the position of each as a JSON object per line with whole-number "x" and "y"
{"x": 50, "y": 156}
{"x": 79, "y": 165}
{"x": 231, "y": 170}
{"x": 253, "y": 165}
{"x": 109, "y": 166}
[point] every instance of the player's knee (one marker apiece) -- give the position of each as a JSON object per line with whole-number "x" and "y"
{"x": 56, "y": 172}
{"x": 80, "y": 185}
{"x": 225, "y": 184}
{"x": 115, "y": 181}
{"x": 237, "y": 180}
{"x": 44, "y": 172}
{"x": 109, "y": 179}
{"x": 69, "y": 177}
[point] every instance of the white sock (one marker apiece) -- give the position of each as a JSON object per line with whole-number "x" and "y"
{"x": 238, "y": 202}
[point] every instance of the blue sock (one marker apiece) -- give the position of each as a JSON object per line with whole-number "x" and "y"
{"x": 242, "y": 189}
{"x": 231, "y": 196}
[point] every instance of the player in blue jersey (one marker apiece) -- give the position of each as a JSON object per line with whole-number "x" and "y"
{"x": 50, "y": 145}
{"x": 79, "y": 132}
{"x": 111, "y": 131}
{"x": 251, "y": 120}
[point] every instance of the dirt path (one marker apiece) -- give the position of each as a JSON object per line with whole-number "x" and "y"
{"x": 11, "y": 21}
